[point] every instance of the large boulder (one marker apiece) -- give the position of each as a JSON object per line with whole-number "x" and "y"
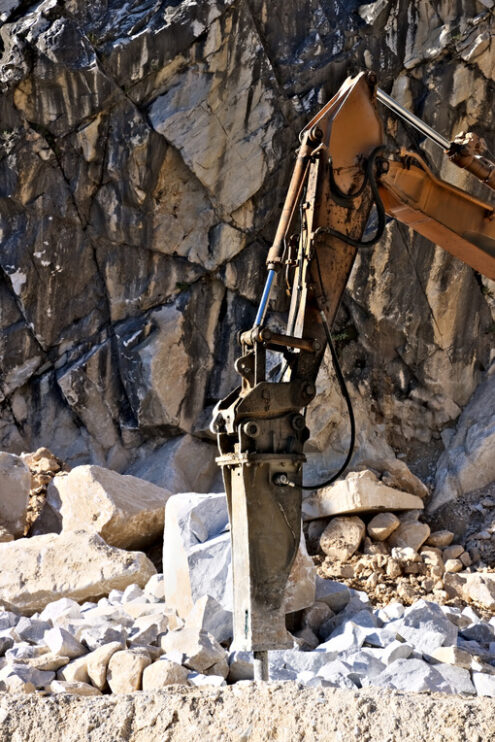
{"x": 126, "y": 511}
{"x": 468, "y": 462}
{"x": 73, "y": 564}
{"x": 184, "y": 464}
{"x": 477, "y": 587}
{"x": 197, "y": 556}
{"x": 359, "y": 492}
{"x": 15, "y": 483}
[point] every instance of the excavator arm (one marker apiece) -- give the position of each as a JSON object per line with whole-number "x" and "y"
{"x": 341, "y": 174}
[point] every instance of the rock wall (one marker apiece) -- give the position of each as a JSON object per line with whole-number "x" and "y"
{"x": 144, "y": 154}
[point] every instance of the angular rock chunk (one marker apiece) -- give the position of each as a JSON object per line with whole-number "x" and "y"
{"x": 452, "y": 552}
{"x": 209, "y": 616}
{"x": 125, "y": 670}
{"x": 62, "y": 643}
{"x": 410, "y": 675}
{"x": 359, "y": 492}
{"x": 126, "y": 511}
{"x": 74, "y": 688}
{"x": 342, "y": 536}
{"x": 155, "y": 587}
{"x": 31, "y": 629}
{"x": 453, "y": 565}
{"x": 484, "y": 684}
{"x": 200, "y": 651}
{"x": 75, "y": 671}
{"x": 147, "y": 628}
{"x": 164, "y": 672}
{"x": 47, "y": 661}
{"x": 16, "y": 684}
{"x": 382, "y": 526}
{"x": 15, "y": 484}
{"x": 410, "y": 534}
{"x": 426, "y": 627}
{"x": 102, "y": 634}
{"x": 334, "y": 594}
{"x": 39, "y": 678}
{"x": 79, "y": 565}
{"x": 478, "y": 587}
{"x": 183, "y": 464}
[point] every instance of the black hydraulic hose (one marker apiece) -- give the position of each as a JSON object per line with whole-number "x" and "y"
{"x": 370, "y": 176}
{"x": 352, "y": 421}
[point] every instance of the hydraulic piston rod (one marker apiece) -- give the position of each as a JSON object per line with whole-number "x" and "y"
{"x": 420, "y": 125}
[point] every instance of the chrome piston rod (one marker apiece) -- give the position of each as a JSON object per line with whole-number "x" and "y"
{"x": 396, "y": 107}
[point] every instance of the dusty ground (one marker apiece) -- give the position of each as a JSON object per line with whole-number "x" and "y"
{"x": 241, "y": 713}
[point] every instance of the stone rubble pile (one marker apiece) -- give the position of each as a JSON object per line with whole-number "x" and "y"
{"x": 81, "y": 614}
{"x": 391, "y": 555}
{"x": 132, "y": 641}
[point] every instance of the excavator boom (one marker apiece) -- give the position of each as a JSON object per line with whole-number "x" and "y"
{"x": 341, "y": 174}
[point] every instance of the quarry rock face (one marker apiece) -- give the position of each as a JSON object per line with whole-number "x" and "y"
{"x": 144, "y": 155}
{"x": 468, "y": 462}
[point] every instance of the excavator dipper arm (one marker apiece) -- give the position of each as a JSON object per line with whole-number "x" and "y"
{"x": 340, "y": 174}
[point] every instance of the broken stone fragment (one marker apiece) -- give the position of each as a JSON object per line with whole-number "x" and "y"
{"x": 76, "y": 670}
{"x": 334, "y": 594}
{"x": 453, "y": 565}
{"x": 62, "y": 643}
{"x": 126, "y": 511}
{"x": 164, "y": 672}
{"x": 410, "y": 534}
{"x": 478, "y": 587}
{"x": 47, "y": 661}
{"x": 15, "y": 484}
{"x": 426, "y": 627}
{"x": 31, "y": 629}
{"x": 97, "y": 663}
{"x": 101, "y": 634}
{"x": 155, "y": 587}
{"x": 39, "y": 570}
{"x": 183, "y": 464}
{"x": 461, "y": 658}
{"x": 75, "y": 688}
{"x": 342, "y": 536}
{"x": 39, "y": 678}
{"x": 382, "y": 526}
{"x": 484, "y": 684}
{"x": 359, "y": 492}
{"x": 200, "y": 651}
{"x": 440, "y": 539}
{"x": 452, "y": 552}
{"x": 125, "y": 670}
{"x": 314, "y": 616}
{"x": 16, "y": 684}
{"x": 208, "y": 616}
{"x": 198, "y": 679}
{"x": 147, "y": 628}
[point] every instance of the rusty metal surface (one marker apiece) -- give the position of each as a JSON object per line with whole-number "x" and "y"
{"x": 461, "y": 224}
